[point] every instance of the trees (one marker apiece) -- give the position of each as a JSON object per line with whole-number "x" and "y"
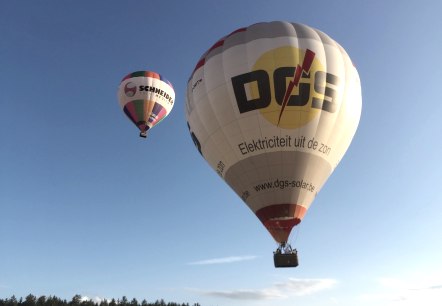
{"x": 123, "y": 301}
{"x": 11, "y": 302}
{"x": 30, "y": 300}
{"x": 78, "y": 300}
{"x": 41, "y": 301}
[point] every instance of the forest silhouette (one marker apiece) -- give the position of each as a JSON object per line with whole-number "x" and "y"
{"x": 78, "y": 300}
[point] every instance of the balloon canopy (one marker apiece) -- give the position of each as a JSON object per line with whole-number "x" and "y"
{"x": 273, "y": 108}
{"x": 146, "y": 98}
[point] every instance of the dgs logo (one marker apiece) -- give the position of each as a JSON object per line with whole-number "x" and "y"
{"x": 289, "y": 87}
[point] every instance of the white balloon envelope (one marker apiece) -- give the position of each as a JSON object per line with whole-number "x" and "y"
{"x": 146, "y": 98}
{"x": 273, "y": 108}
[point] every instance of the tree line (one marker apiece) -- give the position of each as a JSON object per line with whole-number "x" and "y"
{"x": 78, "y": 300}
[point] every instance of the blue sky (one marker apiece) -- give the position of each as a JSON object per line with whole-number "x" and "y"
{"x": 87, "y": 207}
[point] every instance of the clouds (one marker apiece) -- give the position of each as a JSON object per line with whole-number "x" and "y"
{"x": 95, "y": 299}
{"x": 300, "y": 287}
{"x": 280, "y": 290}
{"x": 246, "y": 294}
{"x": 414, "y": 289}
{"x": 418, "y": 290}
{"x": 291, "y": 287}
{"x": 222, "y": 260}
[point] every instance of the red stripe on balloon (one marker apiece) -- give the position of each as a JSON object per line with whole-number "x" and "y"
{"x": 279, "y": 219}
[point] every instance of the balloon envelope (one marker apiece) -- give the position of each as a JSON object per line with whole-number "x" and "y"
{"x": 272, "y": 108}
{"x": 146, "y": 98}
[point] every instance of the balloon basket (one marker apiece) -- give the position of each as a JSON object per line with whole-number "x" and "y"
{"x": 285, "y": 257}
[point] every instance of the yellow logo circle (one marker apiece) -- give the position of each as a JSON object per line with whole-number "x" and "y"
{"x": 291, "y": 71}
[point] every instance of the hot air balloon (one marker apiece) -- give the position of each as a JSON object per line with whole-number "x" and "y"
{"x": 146, "y": 98}
{"x": 273, "y": 108}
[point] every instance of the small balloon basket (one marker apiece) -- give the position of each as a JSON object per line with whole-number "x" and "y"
{"x": 285, "y": 256}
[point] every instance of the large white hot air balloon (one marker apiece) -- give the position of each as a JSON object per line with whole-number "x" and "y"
{"x": 273, "y": 108}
